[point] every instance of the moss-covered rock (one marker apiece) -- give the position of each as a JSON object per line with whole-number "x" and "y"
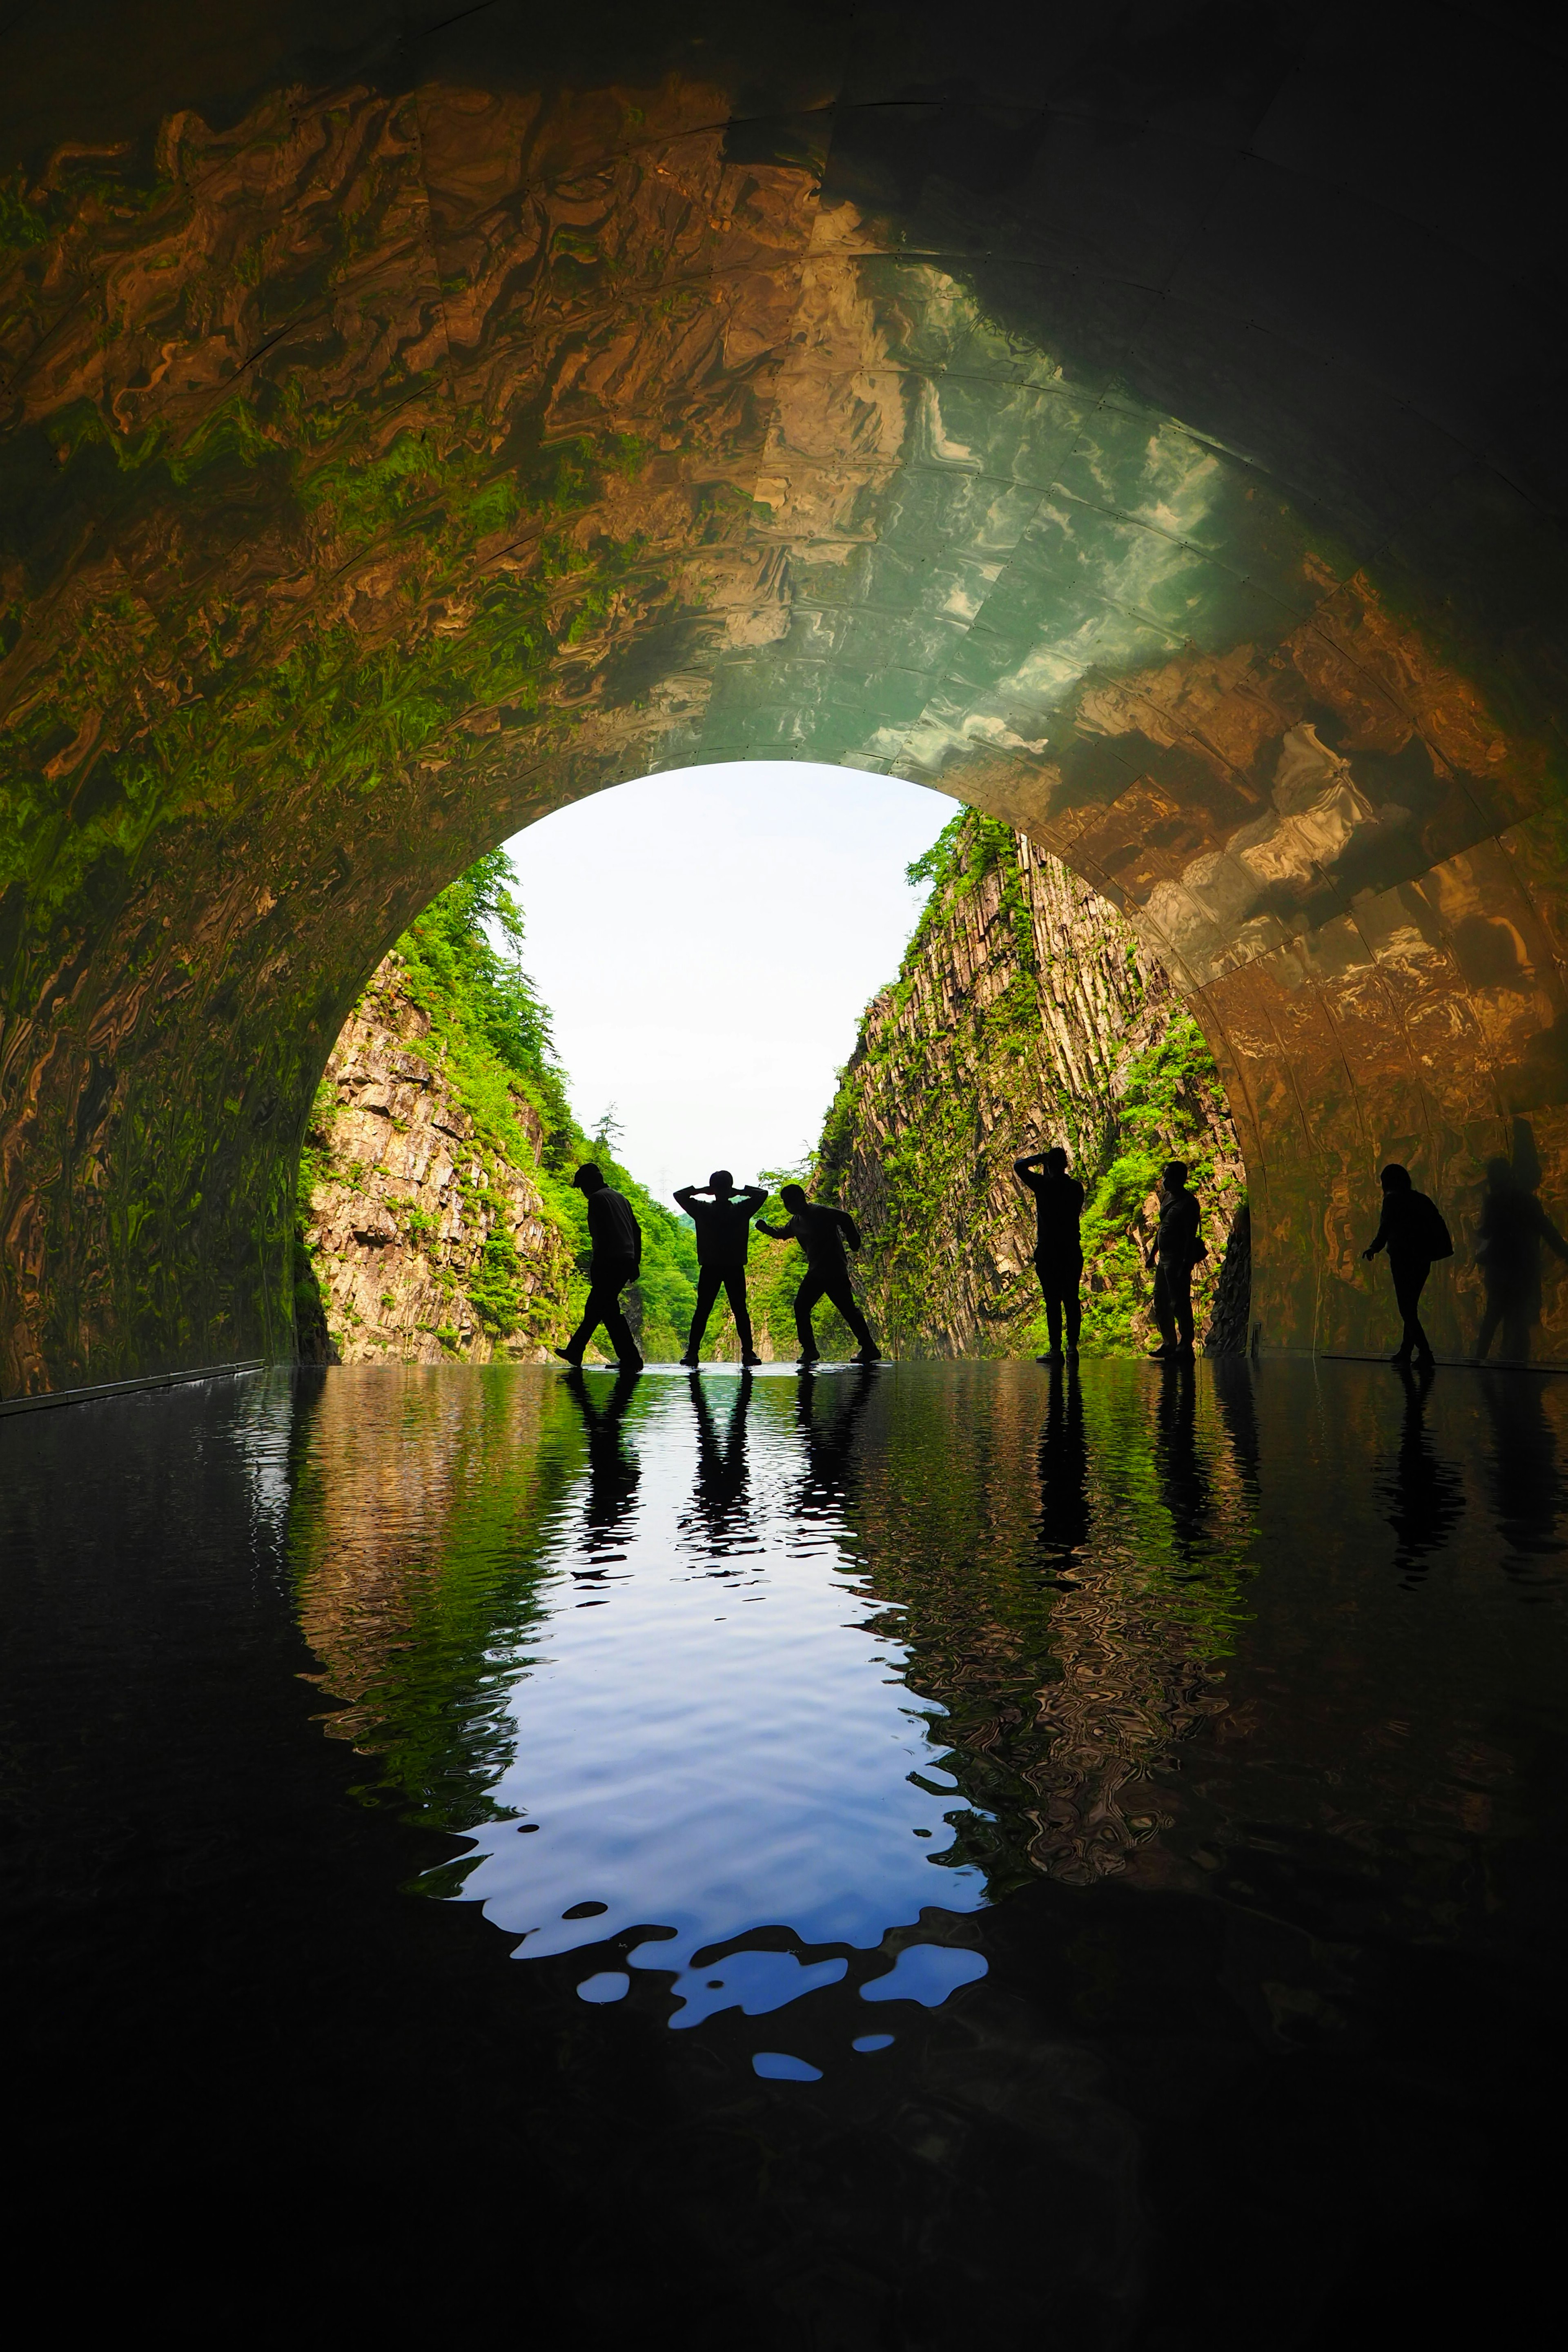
{"x": 1025, "y": 1013}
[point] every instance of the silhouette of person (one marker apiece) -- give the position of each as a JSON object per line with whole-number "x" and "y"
{"x": 1184, "y": 1486}
{"x": 721, "y": 1492}
{"x": 1058, "y": 1254}
{"x": 1176, "y": 1249}
{"x": 1426, "y": 1497}
{"x": 822, "y": 1233}
{"x": 615, "y": 1240}
{"x": 1064, "y": 1471}
{"x": 1526, "y": 1487}
{"x": 1238, "y": 1411}
{"x": 613, "y": 1473}
{"x": 824, "y": 1492}
{"x": 1513, "y": 1225}
{"x": 1413, "y": 1232}
{"x": 723, "y": 1223}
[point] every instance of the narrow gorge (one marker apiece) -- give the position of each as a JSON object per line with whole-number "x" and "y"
{"x": 437, "y": 1222}
{"x": 1026, "y": 1014}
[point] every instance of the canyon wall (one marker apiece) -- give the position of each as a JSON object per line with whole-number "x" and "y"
{"x": 436, "y": 1217}
{"x": 1026, "y": 1014}
{"x": 422, "y": 1239}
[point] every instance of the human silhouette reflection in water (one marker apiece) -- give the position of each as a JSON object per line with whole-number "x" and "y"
{"x": 720, "y": 1502}
{"x": 1064, "y": 1473}
{"x": 1186, "y": 1487}
{"x": 1238, "y": 1411}
{"x": 614, "y": 1471}
{"x": 1424, "y": 1494}
{"x": 1513, "y": 1225}
{"x": 1523, "y": 1474}
{"x": 829, "y": 1440}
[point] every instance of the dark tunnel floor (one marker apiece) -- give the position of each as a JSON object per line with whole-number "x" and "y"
{"x": 1172, "y": 1766}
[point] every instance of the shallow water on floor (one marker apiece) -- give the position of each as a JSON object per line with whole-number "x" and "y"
{"x": 904, "y": 1833}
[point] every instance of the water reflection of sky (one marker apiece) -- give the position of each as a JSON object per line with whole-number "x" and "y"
{"x": 709, "y": 1741}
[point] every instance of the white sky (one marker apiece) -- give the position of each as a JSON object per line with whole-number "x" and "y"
{"x": 706, "y": 941}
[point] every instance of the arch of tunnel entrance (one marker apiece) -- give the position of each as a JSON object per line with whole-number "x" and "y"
{"x": 408, "y": 431}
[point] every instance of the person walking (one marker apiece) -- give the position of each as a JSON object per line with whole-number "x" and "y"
{"x": 1413, "y": 1232}
{"x": 822, "y": 1233}
{"x": 1178, "y": 1247}
{"x": 1059, "y": 1253}
{"x": 724, "y": 1222}
{"x": 615, "y": 1239}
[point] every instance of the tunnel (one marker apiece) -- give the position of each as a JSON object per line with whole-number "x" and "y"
{"x": 1138, "y": 422}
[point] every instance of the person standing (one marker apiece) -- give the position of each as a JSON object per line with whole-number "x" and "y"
{"x": 822, "y": 1233}
{"x": 1177, "y": 1248}
{"x": 615, "y": 1239}
{"x": 1413, "y": 1232}
{"x": 724, "y": 1222}
{"x": 1059, "y": 1253}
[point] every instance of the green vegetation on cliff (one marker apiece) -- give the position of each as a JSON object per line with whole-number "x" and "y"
{"x": 489, "y": 1034}
{"x": 1025, "y": 1013}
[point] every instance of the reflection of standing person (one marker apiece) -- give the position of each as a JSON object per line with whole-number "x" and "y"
{"x": 1185, "y": 1488}
{"x": 824, "y": 1492}
{"x": 723, "y": 1223}
{"x": 1513, "y": 1226}
{"x": 1413, "y": 1233}
{"x": 721, "y": 1467}
{"x": 1058, "y": 1254}
{"x": 615, "y": 1238}
{"x": 1064, "y": 1471}
{"x": 822, "y": 1233}
{"x": 613, "y": 1473}
{"x": 1177, "y": 1248}
{"x": 1426, "y": 1496}
{"x": 1522, "y": 1473}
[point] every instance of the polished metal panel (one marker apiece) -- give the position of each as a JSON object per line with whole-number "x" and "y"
{"x": 1139, "y": 432}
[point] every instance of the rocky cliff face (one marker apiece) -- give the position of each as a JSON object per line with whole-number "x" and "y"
{"x": 422, "y": 1242}
{"x": 1025, "y": 1014}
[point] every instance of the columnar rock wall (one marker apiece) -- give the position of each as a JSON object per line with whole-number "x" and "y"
{"x": 423, "y": 1242}
{"x": 1026, "y": 1014}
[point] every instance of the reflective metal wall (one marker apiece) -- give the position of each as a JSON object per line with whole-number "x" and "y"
{"x": 1139, "y": 427}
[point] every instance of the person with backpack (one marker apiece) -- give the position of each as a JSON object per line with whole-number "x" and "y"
{"x": 1178, "y": 1247}
{"x": 615, "y": 1241}
{"x": 1413, "y": 1232}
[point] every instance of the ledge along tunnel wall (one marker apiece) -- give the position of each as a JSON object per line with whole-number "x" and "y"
{"x": 1139, "y": 424}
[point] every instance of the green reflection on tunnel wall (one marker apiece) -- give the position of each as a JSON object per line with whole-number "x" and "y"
{"x": 386, "y": 466}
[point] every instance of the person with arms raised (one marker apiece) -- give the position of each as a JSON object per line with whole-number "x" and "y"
{"x": 615, "y": 1240}
{"x": 724, "y": 1222}
{"x": 822, "y": 1233}
{"x": 1059, "y": 1253}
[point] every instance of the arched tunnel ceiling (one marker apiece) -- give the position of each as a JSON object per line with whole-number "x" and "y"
{"x": 1140, "y": 422}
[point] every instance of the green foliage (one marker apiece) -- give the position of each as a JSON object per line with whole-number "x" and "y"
{"x": 1162, "y": 1095}
{"x": 920, "y": 1135}
{"x": 491, "y": 1032}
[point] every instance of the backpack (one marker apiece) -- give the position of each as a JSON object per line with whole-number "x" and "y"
{"x": 1439, "y": 1240}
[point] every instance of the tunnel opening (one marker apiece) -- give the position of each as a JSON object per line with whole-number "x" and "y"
{"x": 786, "y": 971}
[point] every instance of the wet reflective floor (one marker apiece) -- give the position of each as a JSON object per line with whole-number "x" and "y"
{"x": 820, "y": 1862}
